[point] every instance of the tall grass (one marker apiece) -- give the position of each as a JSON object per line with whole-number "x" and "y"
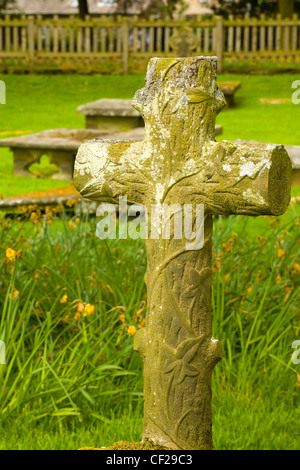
{"x": 70, "y": 305}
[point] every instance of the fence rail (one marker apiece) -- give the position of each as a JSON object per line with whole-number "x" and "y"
{"x": 114, "y": 45}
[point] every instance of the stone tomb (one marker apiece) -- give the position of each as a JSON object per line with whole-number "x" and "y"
{"x": 110, "y": 114}
{"x": 229, "y": 90}
{"x": 180, "y": 163}
{"x": 59, "y": 145}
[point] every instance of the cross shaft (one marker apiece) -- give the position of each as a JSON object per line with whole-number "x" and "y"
{"x": 179, "y": 162}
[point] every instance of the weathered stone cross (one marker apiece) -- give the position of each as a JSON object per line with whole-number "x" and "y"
{"x": 179, "y": 162}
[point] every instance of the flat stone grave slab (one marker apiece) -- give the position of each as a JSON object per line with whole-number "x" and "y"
{"x": 229, "y": 90}
{"x": 111, "y": 114}
{"x": 275, "y": 100}
{"x": 61, "y": 146}
{"x": 293, "y": 152}
{"x": 59, "y": 199}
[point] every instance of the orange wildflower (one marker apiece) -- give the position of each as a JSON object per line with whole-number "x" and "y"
{"x": 80, "y": 307}
{"x": 122, "y": 317}
{"x": 77, "y": 316}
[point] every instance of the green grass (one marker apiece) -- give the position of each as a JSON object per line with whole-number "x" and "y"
{"x": 74, "y": 381}
{"x": 36, "y": 103}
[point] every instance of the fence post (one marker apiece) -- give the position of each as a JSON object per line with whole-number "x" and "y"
{"x": 30, "y": 29}
{"x": 219, "y": 42}
{"x": 125, "y": 34}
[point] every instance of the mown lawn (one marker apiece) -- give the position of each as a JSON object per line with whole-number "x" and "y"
{"x": 36, "y": 103}
{"x": 69, "y": 303}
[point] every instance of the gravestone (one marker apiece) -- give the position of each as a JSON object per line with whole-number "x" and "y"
{"x": 179, "y": 163}
{"x": 183, "y": 42}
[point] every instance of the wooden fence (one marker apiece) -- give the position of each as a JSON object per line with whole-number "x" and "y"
{"x": 122, "y": 45}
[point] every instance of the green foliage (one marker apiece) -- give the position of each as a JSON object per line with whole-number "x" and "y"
{"x": 175, "y": 6}
{"x": 43, "y": 168}
{"x": 255, "y": 7}
{"x": 5, "y": 4}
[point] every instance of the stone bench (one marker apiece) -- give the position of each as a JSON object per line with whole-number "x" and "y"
{"x": 229, "y": 89}
{"x": 111, "y": 114}
{"x": 294, "y": 154}
{"x": 61, "y": 146}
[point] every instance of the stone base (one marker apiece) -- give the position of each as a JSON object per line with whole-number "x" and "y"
{"x": 124, "y": 445}
{"x": 114, "y": 124}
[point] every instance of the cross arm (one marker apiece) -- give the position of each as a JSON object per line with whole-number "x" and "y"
{"x": 242, "y": 179}
{"x": 106, "y": 170}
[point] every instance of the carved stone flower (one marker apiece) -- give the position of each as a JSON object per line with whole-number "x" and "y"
{"x": 199, "y": 282}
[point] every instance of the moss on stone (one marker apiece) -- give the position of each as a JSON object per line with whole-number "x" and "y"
{"x": 124, "y": 445}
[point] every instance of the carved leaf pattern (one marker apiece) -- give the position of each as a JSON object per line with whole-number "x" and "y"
{"x": 183, "y": 356}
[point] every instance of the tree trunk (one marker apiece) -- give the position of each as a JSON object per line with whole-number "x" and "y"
{"x": 83, "y": 8}
{"x": 286, "y": 8}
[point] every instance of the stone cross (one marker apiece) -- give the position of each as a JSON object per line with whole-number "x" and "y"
{"x": 183, "y": 41}
{"x": 179, "y": 162}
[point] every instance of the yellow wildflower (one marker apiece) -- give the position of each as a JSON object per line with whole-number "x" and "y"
{"x": 131, "y": 330}
{"x": 280, "y": 253}
{"x": 89, "y": 310}
{"x": 34, "y": 218}
{"x": 278, "y": 279}
{"x": 11, "y": 254}
{"x": 297, "y": 267}
{"x": 72, "y": 224}
{"x": 15, "y": 294}
{"x": 71, "y": 202}
{"x": 64, "y": 299}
